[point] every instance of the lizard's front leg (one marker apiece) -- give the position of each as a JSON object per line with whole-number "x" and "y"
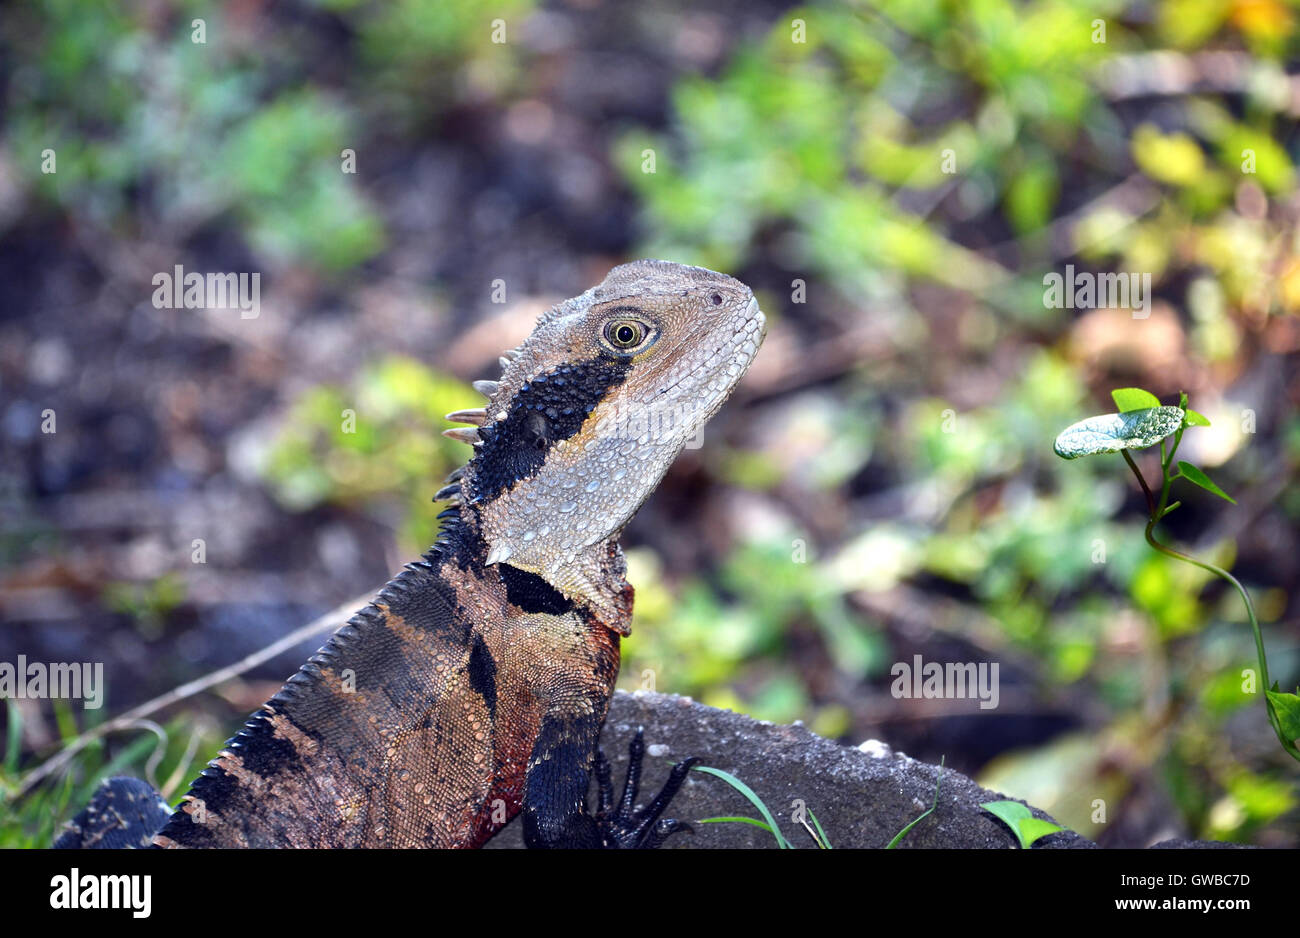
{"x": 624, "y": 823}
{"x": 555, "y": 795}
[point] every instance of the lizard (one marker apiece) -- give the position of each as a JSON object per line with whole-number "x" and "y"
{"x": 473, "y": 688}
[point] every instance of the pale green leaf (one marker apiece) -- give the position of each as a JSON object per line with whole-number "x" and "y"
{"x": 1021, "y": 820}
{"x": 1111, "y": 433}
{"x": 1010, "y": 813}
{"x": 1129, "y": 399}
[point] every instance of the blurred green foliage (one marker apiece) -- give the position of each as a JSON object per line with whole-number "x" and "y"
{"x": 148, "y": 604}
{"x": 361, "y": 446}
{"x": 133, "y": 120}
{"x": 174, "y": 134}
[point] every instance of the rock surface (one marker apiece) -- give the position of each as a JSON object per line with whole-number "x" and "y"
{"x": 862, "y": 796}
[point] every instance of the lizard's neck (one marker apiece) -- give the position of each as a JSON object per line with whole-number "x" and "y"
{"x": 592, "y": 582}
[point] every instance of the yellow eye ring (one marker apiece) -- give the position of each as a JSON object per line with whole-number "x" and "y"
{"x": 625, "y": 334}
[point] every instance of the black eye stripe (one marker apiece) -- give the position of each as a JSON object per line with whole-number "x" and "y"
{"x": 548, "y": 408}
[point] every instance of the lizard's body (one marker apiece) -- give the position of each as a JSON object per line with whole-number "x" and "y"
{"x": 413, "y": 720}
{"x": 474, "y": 687}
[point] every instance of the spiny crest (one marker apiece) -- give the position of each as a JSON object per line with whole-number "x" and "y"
{"x": 483, "y": 421}
{"x": 475, "y": 435}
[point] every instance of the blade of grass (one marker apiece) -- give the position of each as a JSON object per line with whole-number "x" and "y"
{"x": 751, "y": 797}
{"x": 904, "y": 832}
{"x": 736, "y": 820}
{"x": 826, "y": 843}
{"x": 129, "y": 754}
{"x": 182, "y": 771}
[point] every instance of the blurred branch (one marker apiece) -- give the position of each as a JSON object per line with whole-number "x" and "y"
{"x": 1165, "y": 73}
{"x": 331, "y": 620}
{"x": 1134, "y": 196}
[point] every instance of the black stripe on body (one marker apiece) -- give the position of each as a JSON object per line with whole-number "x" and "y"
{"x": 531, "y": 593}
{"x": 483, "y": 675}
{"x": 261, "y": 751}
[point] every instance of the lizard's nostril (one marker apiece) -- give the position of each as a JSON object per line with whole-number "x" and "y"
{"x": 716, "y": 299}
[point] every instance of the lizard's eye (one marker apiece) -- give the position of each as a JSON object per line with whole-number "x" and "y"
{"x": 626, "y": 334}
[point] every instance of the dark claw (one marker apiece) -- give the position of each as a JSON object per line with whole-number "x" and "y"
{"x": 632, "y": 783}
{"x": 663, "y": 828}
{"x": 626, "y": 826}
{"x": 604, "y": 783}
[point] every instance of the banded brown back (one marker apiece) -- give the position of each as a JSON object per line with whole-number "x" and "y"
{"x": 412, "y": 727}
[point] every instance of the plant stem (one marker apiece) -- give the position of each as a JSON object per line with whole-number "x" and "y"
{"x": 1146, "y": 489}
{"x": 1156, "y": 508}
{"x": 1287, "y": 744}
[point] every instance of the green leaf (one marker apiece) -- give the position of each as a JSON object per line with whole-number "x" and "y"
{"x": 1197, "y": 477}
{"x": 1032, "y": 828}
{"x": 1032, "y": 194}
{"x": 1193, "y": 419}
{"x": 1021, "y": 820}
{"x": 1010, "y": 813}
{"x": 751, "y": 797}
{"x": 1111, "y": 433}
{"x": 1287, "y": 708}
{"x": 1128, "y": 399}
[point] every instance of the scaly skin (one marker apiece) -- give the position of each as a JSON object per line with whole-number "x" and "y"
{"x": 475, "y": 685}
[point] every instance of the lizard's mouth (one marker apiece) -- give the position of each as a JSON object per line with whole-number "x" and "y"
{"x": 754, "y": 325}
{"x": 753, "y": 312}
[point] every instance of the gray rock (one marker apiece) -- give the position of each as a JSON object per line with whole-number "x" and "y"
{"x": 862, "y": 796}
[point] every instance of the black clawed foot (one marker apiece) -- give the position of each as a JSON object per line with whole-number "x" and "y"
{"x": 625, "y": 826}
{"x": 663, "y": 828}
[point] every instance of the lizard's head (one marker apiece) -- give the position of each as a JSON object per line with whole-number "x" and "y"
{"x": 592, "y": 409}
